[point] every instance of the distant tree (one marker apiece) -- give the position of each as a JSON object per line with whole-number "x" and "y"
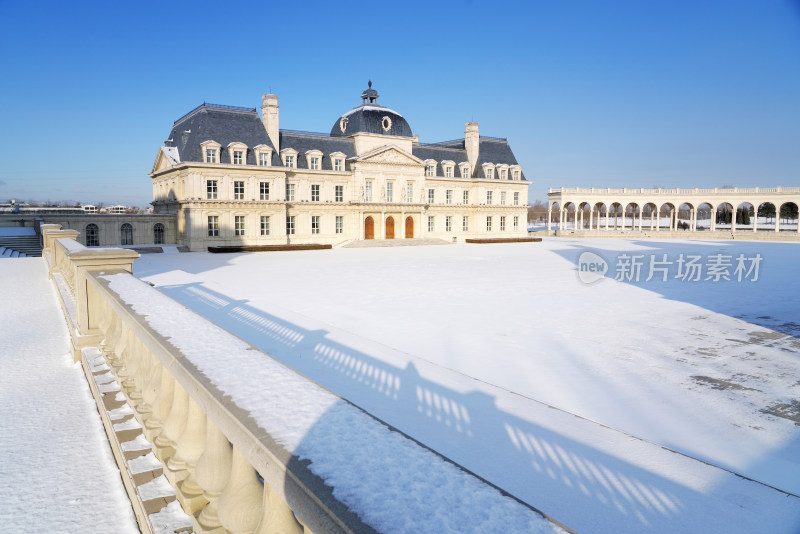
{"x": 742, "y": 216}
{"x": 766, "y": 210}
{"x": 789, "y": 211}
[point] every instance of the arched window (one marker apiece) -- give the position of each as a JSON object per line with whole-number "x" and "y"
{"x": 126, "y": 234}
{"x": 158, "y": 234}
{"x": 92, "y": 235}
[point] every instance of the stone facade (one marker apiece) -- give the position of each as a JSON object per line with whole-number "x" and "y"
{"x": 233, "y": 178}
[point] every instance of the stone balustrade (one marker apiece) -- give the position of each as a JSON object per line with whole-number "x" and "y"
{"x": 229, "y": 474}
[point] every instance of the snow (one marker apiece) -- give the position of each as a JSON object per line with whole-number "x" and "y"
{"x": 370, "y": 108}
{"x": 393, "y": 487}
{"x": 57, "y": 472}
{"x": 571, "y": 397}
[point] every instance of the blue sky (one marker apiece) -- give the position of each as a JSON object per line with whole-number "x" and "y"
{"x": 605, "y": 94}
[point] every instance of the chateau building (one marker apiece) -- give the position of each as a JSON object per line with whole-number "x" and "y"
{"x": 234, "y": 178}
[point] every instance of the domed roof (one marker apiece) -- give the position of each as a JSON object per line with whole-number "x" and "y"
{"x": 370, "y": 117}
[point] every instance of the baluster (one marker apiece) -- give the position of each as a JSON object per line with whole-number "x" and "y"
{"x": 174, "y": 424}
{"x": 277, "y": 517}
{"x": 161, "y": 406}
{"x": 136, "y": 358}
{"x": 240, "y": 504}
{"x": 182, "y": 465}
{"x": 151, "y": 389}
{"x": 213, "y": 471}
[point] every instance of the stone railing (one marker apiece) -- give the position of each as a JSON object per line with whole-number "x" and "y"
{"x": 229, "y": 476}
{"x": 228, "y": 471}
{"x": 674, "y": 191}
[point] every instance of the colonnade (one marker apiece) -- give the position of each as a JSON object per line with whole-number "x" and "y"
{"x": 643, "y": 208}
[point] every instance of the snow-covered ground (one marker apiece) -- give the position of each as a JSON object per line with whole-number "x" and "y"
{"x": 483, "y": 352}
{"x": 57, "y": 472}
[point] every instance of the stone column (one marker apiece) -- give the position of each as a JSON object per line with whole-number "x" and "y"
{"x": 549, "y": 216}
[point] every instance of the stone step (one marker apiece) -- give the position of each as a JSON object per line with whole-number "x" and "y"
{"x": 415, "y": 242}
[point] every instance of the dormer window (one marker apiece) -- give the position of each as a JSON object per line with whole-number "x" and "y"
{"x": 502, "y": 172}
{"x": 210, "y": 151}
{"x": 464, "y": 170}
{"x": 289, "y": 155}
{"x": 448, "y": 167}
{"x": 338, "y": 161}
{"x": 263, "y": 155}
{"x": 488, "y": 171}
{"x": 515, "y": 172}
{"x": 430, "y": 167}
{"x": 314, "y": 160}
{"x": 238, "y": 152}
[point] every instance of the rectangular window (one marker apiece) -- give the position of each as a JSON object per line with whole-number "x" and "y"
{"x": 516, "y": 198}
{"x": 502, "y": 198}
{"x": 263, "y": 159}
{"x": 516, "y": 175}
{"x": 238, "y": 225}
{"x": 211, "y": 155}
{"x": 338, "y": 164}
{"x": 489, "y": 223}
{"x": 448, "y": 224}
{"x": 314, "y": 163}
{"x": 213, "y": 226}
{"x": 516, "y": 223}
{"x": 489, "y": 173}
{"x": 448, "y": 196}
{"x": 448, "y": 171}
{"x": 488, "y": 197}
{"x": 263, "y": 188}
{"x": 237, "y": 157}
{"x": 430, "y": 223}
{"x": 368, "y": 192}
{"x": 289, "y": 161}
{"x": 265, "y": 225}
{"x": 289, "y": 192}
{"x": 430, "y": 170}
{"x": 409, "y": 192}
{"x": 211, "y": 189}
{"x": 502, "y": 174}
{"x": 502, "y": 223}
{"x": 315, "y": 224}
{"x": 290, "y": 225}
{"x": 466, "y": 197}
{"x": 339, "y": 224}
{"x": 314, "y": 192}
{"x": 339, "y": 193}
{"x": 389, "y": 192}
{"x": 238, "y": 190}
{"x": 465, "y": 172}
{"x": 465, "y": 223}
{"x": 430, "y": 196}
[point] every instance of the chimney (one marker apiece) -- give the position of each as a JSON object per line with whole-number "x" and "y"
{"x": 471, "y": 143}
{"x": 269, "y": 116}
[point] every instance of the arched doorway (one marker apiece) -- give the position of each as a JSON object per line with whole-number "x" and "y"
{"x": 369, "y": 228}
{"x": 409, "y": 227}
{"x": 389, "y": 227}
{"x": 126, "y": 234}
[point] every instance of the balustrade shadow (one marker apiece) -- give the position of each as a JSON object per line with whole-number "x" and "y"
{"x": 585, "y": 487}
{"x": 770, "y": 301}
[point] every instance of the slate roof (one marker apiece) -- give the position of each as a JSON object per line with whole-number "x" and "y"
{"x": 223, "y": 124}
{"x": 490, "y": 150}
{"x": 367, "y": 118}
{"x": 228, "y": 124}
{"x": 304, "y": 141}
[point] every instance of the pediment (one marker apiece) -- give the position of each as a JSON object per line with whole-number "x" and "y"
{"x": 166, "y": 158}
{"x": 389, "y": 155}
